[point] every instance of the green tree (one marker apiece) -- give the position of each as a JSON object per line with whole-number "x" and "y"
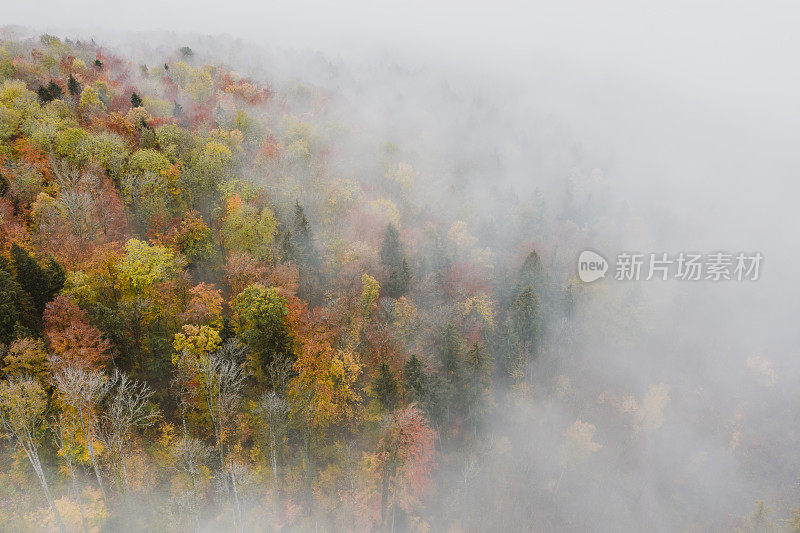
{"x": 392, "y": 257}
{"x": 136, "y": 100}
{"x": 41, "y": 284}
{"x": 262, "y": 322}
{"x": 73, "y": 86}
{"x": 385, "y": 387}
{"x": 16, "y": 309}
{"x": 23, "y": 403}
{"x": 526, "y": 319}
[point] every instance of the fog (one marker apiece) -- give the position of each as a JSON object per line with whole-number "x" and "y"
{"x": 678, "y": 122}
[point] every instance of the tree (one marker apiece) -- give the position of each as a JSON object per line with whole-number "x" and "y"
{"x": 248, "y": 229}
{"x": 71, "y": 336}
{"x": 136, "y": 100}
{"x": 190, "y": 455}
{"x": 423, "y": 388}
{"x": 205, "y": 306}
{"x": 27, "y": 357}
{"x": 273, "y": 410}
{"x": 322, "y": 393}
{"x": 81, "y": 389}
{"x": 385, "y": 388}
{"x": 40, "y": 283}
{"x": 63, "y": 433}
{"x": 392, "y": 257}
{"x": 127, "y": 407}
{"x": 222, "y": 380}
{"x": 16, "y": 308}
{"x": 406, "y": 455}
{"x": 73, "y": 86}
{"x": 23, "y": 403}
{"x": 144, "y": 265}
{"x": 262, "y": 322}
{"x": 50, "y": 92}
{"x": 526, "y": 320}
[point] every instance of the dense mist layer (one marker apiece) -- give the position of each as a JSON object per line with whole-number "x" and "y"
{"x": 666, "y": 405}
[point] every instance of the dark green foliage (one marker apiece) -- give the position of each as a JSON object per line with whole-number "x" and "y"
{"x": 416, "y": 379}
{"x": 41, "y": 284}
{"x": 399, "y": 280}
{"x": 73, "y": 86}
{"x": 98, "y": 63}
{"x": 50, "y": 92}
{"x": 448, "y": 350}
{"x": 392, "y": 248}
{"x": 427, "y": 390}
{"x": 16, "y": 310}
{"x": 531, "y": 273}
{"x": 394, "y": 260}
{"x": 186, "y": 51}
{"x": 288, "y": 250}
{"x": 301, "y": 248}
{"x": 526, "y": 319}
{"x": 136, "y": 100}
{"x": 385, "y": 388}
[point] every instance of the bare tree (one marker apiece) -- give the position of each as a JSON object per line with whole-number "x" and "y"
{"x": 222, "y": 380}
{"x": 190, "y": 454}
{"x": 128, "y": 407}
{"x": 81, "y": 388}
{"x": 23, "y": 404}
{"x": 76, "y": 199}
{"x": 274, "y": 413}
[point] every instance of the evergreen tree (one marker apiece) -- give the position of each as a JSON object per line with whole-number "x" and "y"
{"x": 16, "y": 310}
{"x": 392, "y": 248}
{"x": 73, "y": 86}
{"x": 49, "y": 92}
{"x": 394, "y": 260}
{"x": 449, "y": 352}
{"x": 416, "y": 379}
{"x": 385, "y": 388}
{"x": 304, "y": 238}
{"x": 40, "y": 283}
{"x": 136, "y": 100}
{"x": 526, "y": 320}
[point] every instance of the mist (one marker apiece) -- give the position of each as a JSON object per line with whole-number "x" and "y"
{"x": 559, "y": 127}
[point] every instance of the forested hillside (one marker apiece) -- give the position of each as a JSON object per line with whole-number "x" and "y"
{"x": 203, "y": 326}
{"x": 242, "y": 292}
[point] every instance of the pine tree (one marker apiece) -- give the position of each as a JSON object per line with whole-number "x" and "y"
{"x": 385, "y": 387}
{"x": 73, "y": 86}
{"x": 526, "y": 319}
{"x": 40, "y": 283}
{"x": 16, "y": 310}
{"x": 416, "y": 380}
{"x": 304, "y": 238}
{"x": 391, "y": 249}
{"x": 49, "y": 92}
{"x": 136, "y": 100}
{"x": 392, "y": 257}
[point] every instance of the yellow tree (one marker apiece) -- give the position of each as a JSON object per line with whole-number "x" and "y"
{"x": 23, "y": 403}
{"x": 323, "y": 392}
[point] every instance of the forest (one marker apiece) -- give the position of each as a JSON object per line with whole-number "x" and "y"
{"x": 226, "y": 306}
